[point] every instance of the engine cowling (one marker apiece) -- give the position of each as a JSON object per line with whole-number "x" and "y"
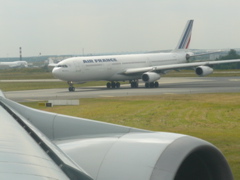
{"x": 150, "y": 77}
{"x": 203, "y": 70}
{"x": 189, "y": 55}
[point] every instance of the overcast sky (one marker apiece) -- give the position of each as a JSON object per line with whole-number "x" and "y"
{"x": 57, "y": 27}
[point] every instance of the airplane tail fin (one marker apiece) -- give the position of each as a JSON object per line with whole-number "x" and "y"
{"x": 50, "y": 61}
{"x": 186, "y": 36}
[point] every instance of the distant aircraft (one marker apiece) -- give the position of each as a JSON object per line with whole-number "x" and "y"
{"x": 147, "y": 67}
{"x": 51, "y": 64}
{"x": 14, "y": 64}
{"x": 41, "y": 145}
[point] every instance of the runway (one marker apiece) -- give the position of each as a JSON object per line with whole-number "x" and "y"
{"x": 181, "y": 85}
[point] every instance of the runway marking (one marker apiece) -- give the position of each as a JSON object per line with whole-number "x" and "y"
{"x": 181, "y": 80}
{"x": 33, "y": 100}
{"x": 31, "y": 80}
{"x": 234, "y": 79}
{"x": 105, "y": 96}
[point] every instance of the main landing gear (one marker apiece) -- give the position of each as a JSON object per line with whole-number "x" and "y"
{"x": 71, "y": 87}
{"x": 152, "y": 85}
{"x": 134, "y": 83}
{"x": 113, "y": 85}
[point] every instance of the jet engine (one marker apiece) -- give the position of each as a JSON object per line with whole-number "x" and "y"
{"x": 203, "y": 70}
{"x": 150, "y": 77}
{"x": 189, "y": 55}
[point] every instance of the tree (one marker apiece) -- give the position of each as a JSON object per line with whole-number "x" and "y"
{"x": 232, "y": 54}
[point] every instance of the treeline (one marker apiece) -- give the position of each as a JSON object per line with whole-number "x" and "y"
{"x": 232, "y": 54}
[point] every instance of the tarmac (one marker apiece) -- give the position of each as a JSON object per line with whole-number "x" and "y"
{"x": 182, "y": 85}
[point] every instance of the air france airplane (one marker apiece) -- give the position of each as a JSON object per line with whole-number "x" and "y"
{"x": 147, "y": 67}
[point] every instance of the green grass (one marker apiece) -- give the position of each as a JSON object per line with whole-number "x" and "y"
{"x": 212, "y": 117}
{"x": 19, "y": 86}
{"x": 25, "y": 73}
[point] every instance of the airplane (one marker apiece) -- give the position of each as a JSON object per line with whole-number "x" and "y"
{"x": 14, "y": 64}
{"x": 51, "y": 64}
{"x": 149, "y": 67}
{"x": 37, "y": 145}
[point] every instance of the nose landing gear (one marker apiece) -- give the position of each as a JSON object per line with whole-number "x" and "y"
{"x": 71, "y": 87}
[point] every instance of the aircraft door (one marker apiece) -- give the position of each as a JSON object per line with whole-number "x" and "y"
{"x": 77, "y": 66}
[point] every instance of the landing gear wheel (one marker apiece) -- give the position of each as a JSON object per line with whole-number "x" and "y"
{"x": 151, "y": 84}
{"x": 134, "y": 84}
{"x": 71, "y": 89}
{"x": 156, "y": 84}
{"x": 113, "y": 84}
{"x": 117, "y": 85}
{"x": 108, "y": 85}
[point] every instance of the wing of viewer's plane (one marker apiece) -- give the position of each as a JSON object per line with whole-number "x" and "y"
{"x": 40, "y": 145}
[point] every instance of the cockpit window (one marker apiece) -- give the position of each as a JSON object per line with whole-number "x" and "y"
{"x": 62, "y": 65}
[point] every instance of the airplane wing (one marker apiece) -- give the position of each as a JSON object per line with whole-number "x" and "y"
{"x": 27, "y": 153}
{"x": 176, "y": 66}
{"x": 40, "y": 145}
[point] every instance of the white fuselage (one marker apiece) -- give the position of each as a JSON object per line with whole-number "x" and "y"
{"x": 111, "y": 68}
{"x": 14, "y": 64}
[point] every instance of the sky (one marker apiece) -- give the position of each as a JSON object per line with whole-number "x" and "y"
{"x": 59, "y": 27}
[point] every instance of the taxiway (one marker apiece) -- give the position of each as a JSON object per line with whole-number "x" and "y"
{"x": 181, "y": 85}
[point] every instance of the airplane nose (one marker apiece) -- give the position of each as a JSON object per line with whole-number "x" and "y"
{"x": 56, "y": 72}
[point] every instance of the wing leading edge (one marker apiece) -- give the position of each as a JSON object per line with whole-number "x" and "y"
{"x": 176, "y": 66}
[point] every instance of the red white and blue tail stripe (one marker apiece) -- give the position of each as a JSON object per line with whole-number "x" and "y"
{"x": 186, "y": 36}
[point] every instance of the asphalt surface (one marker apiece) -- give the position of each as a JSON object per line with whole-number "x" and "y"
{"x": 166, "y": 86}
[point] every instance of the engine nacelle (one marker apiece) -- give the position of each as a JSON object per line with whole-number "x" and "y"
{"x": 150, "y": 77}
{"x": 203, "y": 70}
{"x": 188, "y": 55}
